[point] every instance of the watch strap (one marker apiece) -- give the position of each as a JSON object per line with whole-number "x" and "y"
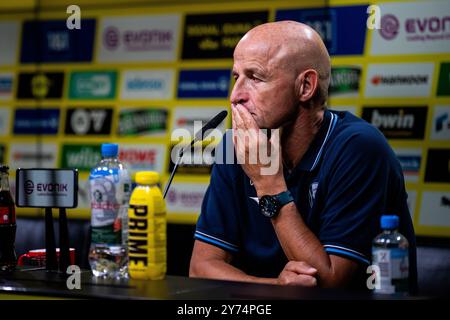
{"x": 284, "y": 197}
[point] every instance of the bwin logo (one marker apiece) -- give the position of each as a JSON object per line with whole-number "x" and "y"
{"x": 393, "y": 121}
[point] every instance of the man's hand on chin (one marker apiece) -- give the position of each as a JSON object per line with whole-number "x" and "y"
{"x": 250, "y": 144}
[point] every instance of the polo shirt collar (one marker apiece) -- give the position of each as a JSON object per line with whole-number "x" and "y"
{"x": 316, "y": 149}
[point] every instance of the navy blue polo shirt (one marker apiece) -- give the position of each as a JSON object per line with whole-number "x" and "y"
{"x": 346, "y": 180}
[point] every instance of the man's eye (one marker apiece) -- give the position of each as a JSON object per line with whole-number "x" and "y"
{"x": 255, "y": 79}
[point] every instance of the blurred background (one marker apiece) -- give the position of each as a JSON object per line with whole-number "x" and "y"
{"x": 131, "y": 72}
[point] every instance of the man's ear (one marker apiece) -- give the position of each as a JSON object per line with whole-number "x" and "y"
{"x": 308, "y": 84}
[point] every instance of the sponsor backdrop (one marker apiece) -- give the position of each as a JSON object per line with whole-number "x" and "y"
{"x": 136, "y": 75}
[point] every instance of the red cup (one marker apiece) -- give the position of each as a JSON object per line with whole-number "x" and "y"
{"x": 36, "y": 258}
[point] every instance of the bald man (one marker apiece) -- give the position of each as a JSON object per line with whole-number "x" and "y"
{"x": 312, "y": 220}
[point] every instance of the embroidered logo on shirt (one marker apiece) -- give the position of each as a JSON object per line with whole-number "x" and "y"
{"x": 312, "y": 193}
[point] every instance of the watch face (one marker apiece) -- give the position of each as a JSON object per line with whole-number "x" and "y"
{"x": 269, "y": 206}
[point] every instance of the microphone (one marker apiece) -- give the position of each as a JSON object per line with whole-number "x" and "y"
{"x": 211, "y": 124}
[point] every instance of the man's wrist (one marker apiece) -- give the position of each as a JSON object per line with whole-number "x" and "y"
{"x": 271, "y": 188}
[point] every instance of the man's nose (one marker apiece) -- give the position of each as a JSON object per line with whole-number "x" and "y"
{"x": 239, "y": 95}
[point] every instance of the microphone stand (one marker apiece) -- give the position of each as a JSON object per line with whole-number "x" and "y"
{"x": 180, "y": 155}
{"x": 213, "y": 123}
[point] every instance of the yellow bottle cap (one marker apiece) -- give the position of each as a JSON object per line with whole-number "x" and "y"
{"x": 147, "y": 177}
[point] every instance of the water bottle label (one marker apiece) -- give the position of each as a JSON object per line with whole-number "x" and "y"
{"x": 104, "y": 234}
{"x": 109, "y": 190}
{"x": 393, "y": 264}
{"x": 400, "y": 263}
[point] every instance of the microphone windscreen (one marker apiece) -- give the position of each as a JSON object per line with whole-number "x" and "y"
{"x": 213, "y": 123}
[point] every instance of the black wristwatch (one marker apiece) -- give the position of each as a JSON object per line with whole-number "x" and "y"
{"x": 271, "y": 205}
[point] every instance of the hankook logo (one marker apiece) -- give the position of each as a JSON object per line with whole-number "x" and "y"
{"x": 399, "y": 80}
{"x": 393, "y": 80}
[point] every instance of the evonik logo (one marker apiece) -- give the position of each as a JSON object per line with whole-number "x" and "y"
{"x": 138, "y": 40}
{"x": 51, "y": 187}
{"x": 390, "y": 26}
{"x": 29, "y": 187}
{"x": 44, "y": 187}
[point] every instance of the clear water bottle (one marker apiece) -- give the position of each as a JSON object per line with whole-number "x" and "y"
{"x": 110, "y": 184}
{"x": 390, "y": 254}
